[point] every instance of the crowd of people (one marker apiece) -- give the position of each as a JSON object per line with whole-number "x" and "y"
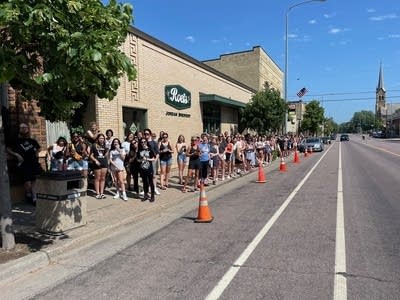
{"x": 205, "y": 159}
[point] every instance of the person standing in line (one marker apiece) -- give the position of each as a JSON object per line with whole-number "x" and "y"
{"x": 92, "y": 133}
{"x": 98, "y": 156}
{"x": 116, "y": 156}
{"x": 145, "y": 158}
{"x": 109, "y": 138}
{"x": 165, "y": 160}
{"x": 214, "y": 158}
{"x": 127, "y": 146}
{"x": 180, "y": 148}
{"x": 26, "y": 150}
{"x": 221, "y": 158}
{"x": 133, "y": 165}
{"x": 204, "y": 148}
{"x": 229, "y": 156}
{"x": 154, "y": 146}
{"x": 194, "y": 164}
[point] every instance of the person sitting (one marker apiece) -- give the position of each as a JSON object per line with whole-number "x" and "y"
{"x": 56, "y": 153}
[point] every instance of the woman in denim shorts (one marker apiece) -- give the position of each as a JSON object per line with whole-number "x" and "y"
{"x": 165, "y": 160}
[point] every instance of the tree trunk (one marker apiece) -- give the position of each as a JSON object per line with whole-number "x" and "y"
{"x": 7, "y": 233}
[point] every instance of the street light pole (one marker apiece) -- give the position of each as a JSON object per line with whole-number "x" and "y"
{"x": 287, "y": 48}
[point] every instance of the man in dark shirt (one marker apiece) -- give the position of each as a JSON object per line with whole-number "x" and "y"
{"x": 26, "y": 150}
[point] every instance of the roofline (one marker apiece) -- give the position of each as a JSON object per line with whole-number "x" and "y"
{"x": 245, "y": 51}
{"x": 179, "y": 53}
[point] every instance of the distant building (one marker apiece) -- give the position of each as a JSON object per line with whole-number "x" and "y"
{"x": 253, "y": 68}
{"x": 389, "y": 113}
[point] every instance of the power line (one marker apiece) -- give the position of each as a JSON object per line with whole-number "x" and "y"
{"x": 348, "y": 93}
{"x": 349, "y": 99}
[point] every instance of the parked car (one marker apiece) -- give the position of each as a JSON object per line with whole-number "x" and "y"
{"x": 344, "y": 137}
{"x": 314, "y": 142}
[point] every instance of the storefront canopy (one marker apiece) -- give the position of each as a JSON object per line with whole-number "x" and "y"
{"x": 215, "y": 99}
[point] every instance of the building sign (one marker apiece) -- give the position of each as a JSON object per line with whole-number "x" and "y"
{"x": 177, "y": 97}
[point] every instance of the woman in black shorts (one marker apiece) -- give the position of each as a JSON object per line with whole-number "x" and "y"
{"x": 194, "y": 164}
{"x": 98, "y": 157}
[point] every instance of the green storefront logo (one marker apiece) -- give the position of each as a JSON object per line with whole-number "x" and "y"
{"x": 177, "y": 97}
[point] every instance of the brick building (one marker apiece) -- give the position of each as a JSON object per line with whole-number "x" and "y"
{"x": 172, "y": 92}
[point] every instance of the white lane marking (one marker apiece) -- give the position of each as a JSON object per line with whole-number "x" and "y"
{"x": 230, "y": 274}
{"x": 340, "y": 284}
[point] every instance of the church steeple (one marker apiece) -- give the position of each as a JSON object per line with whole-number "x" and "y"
{"x": 380, "y": 80}
{"x": 380, "y": 104}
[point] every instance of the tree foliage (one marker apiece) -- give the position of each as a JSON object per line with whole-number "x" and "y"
{"x": 62, "y": 52}
{"x": 265, "y": 112}
{"x": 313, "y": 118}
{"x": 330, "y": 126}
{"x": 362, "y": 121}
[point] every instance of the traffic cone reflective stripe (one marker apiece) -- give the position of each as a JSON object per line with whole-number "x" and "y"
{"x": 261, "y": 176}
{"x": 282, "y": 166}
{"x": 204, "y": 214}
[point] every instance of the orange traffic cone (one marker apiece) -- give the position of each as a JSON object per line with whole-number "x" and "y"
{"x": 282, "y": 166}
{"x": 261, "y": 176}
{"x": 204, "y": 215}
{"x": 296, "y": 158}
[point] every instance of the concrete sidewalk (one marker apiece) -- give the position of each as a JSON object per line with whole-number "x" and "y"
{"x": 105, "y": 217}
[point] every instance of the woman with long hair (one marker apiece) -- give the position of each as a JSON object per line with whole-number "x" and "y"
{"x": 145, "y": 158}
{"x": 165, "y": 160}
{"x": 181, "y": 157}
{"x": 98, "y": 157}
{"x": 116, "y": 158}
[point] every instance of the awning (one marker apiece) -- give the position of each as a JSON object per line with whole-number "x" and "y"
{"x": 215, "y": 99}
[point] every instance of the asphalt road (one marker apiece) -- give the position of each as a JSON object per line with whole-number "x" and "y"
{"x": 278, "y": 240}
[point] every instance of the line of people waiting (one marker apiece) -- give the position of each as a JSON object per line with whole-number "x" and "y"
{"x": 206, "y": 159}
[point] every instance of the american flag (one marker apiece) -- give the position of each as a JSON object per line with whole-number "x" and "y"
{"x": 302, "y": 92}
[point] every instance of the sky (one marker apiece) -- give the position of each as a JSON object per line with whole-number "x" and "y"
{"x": 335, "y": 47}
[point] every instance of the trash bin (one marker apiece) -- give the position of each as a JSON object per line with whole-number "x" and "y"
{"x": 60, "y": 203}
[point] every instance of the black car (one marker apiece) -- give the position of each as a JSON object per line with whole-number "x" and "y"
{"x": 344, "y": 137}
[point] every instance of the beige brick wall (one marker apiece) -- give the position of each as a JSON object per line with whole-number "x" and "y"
{"x": 157, "y": 68}
{"x": 253, "y": 68}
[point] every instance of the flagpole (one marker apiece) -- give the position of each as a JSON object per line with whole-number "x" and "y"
{"x": 286, "y": 52}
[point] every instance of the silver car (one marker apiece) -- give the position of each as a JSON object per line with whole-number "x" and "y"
{"x": 315, "y": 143}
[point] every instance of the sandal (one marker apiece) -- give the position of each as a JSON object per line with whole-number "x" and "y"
{"x": 183, "y": 190}
{"x": 163, "y": 187}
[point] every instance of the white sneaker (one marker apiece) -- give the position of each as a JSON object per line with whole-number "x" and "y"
{"x": 141, "y": 193}
{"x": 156, "y": 192}
{"x": 116, "y": 196}
{"x": 124, "y": 197}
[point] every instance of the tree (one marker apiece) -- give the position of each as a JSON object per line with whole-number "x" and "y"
{"x": 265, "y": 111}
{"x": 330, "y": 126}
{"x": 313, "y": 117}
{"x": 61, "y": 53}
{"x": 363, "y": 121}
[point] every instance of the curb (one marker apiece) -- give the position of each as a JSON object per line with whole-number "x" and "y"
{"x": 12, "y": 270}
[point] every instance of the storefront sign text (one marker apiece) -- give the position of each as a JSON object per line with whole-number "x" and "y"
{"x": 177, "y": 97}
{"x": 175, "y": 114}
